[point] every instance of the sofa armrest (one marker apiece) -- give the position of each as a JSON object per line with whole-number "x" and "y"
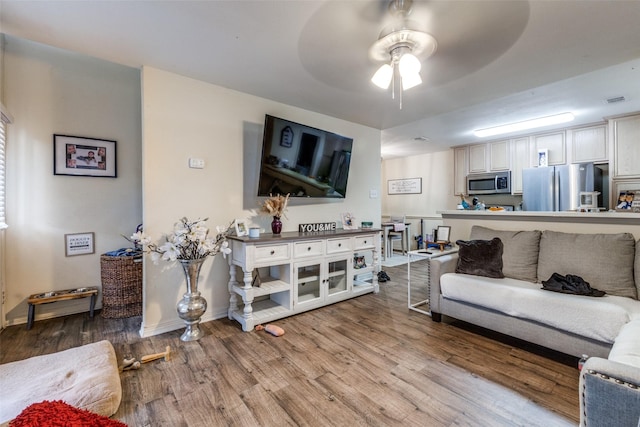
{"x": 609, "y": 394}
{"x": 438, "y": 267}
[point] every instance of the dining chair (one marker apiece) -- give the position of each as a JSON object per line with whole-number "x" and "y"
{"x": 397, "y": 233}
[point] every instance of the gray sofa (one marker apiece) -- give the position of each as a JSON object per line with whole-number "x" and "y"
{"x": 605, "y": 328}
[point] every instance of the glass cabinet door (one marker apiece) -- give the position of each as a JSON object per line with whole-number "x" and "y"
{"x": 337, "y": 276}
{"x": 308, "y": 282}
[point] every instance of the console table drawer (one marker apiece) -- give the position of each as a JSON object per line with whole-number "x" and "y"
{"x": 305, "y": 249}
{"x": 338, "y": 245}
{"x": 271, "y": 253}
{"x": 365, "y": 242}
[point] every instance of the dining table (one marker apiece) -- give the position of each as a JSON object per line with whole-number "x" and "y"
{"x": 388, "y": 249}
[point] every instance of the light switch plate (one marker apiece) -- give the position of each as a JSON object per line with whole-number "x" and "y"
{"x": 196, "y": 163}
{"x": 373, "y": 194}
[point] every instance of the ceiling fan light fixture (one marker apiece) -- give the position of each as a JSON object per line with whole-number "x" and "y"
{"x": 403, "y": 45}
{"x": 409, "y": 66}
{"x": 382, "y": 78}
{"x": 411, "y": 80}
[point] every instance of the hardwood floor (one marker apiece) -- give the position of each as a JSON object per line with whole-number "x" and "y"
{"x": 366, "y": 361}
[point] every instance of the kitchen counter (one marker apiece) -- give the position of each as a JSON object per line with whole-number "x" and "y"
{"x": 461, "y": 221}
{"x": 611, "y": 217}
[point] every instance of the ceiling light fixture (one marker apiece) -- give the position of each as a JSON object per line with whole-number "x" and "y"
{"x": 527, "y": 124}
{"x": 403, "y": 48}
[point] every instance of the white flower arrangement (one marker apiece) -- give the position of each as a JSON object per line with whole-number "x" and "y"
{"x": 189, "y": 240}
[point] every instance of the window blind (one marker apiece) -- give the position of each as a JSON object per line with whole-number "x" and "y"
{"x": 3, "y": 221}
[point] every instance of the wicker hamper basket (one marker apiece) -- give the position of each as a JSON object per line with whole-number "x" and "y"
{"x": 121, "y": 286}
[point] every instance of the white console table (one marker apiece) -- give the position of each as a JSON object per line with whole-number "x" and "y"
{"x": 423, "y": 254}
{"x": 288, "y": 274}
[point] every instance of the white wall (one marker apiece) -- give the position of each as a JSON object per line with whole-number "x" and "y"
{"x": 436, "y": 171}
{"x": 52, "y": 91}
{"x": 185, "y": 118}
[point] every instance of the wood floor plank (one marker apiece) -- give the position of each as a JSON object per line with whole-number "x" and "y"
{"x": 365, "y": 361}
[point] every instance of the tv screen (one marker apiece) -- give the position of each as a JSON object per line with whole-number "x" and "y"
{"x": 303, "y": 161}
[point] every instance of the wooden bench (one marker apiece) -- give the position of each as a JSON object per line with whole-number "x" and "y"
{"x": 55, "y": 296}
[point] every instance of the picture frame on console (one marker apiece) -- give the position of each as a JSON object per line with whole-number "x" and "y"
{"x": 241, "y": 228}
{"x": 443, "y": 233}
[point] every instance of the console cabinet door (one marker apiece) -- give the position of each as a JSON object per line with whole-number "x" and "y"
{"x": 626, "y": 147}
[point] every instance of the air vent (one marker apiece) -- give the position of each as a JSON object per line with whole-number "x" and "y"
{"x": 615, "y": 99}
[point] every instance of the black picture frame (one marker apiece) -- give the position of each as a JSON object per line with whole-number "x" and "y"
{"x": 82, "y": 156}
{"x": 286, "y": 137}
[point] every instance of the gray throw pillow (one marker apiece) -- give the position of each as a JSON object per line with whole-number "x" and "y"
{"x": 480, "y": 258}
{"x": 520, "y": 256}
{"x": 604, "y": 260}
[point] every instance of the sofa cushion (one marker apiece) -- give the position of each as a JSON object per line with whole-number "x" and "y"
{"x": 637, "y": 267}
{"x": 597, "y": 318}
{"x": 520, "y": 254}
{"x": 480, "y": 258}
{"x": 626, "y": 348}
{"x": 604, "y": 260}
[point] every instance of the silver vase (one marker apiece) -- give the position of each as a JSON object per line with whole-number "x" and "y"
{"x": 192, "y": 306}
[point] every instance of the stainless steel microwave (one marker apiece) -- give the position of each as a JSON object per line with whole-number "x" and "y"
{"x": 489, "y": 183}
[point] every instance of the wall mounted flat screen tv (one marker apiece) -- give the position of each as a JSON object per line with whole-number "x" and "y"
{"x": 303, "y": 161}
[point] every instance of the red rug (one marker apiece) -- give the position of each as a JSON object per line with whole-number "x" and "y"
{"x": 60, "y": 414}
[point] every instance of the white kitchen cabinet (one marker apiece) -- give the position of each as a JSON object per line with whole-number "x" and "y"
{"x": 520, "y": 160}
{"x": 478, "y": 158}
{"x": 499, "y": 156}
{"x": 489, "y": 157}
{"x": 588, "y": 144}
{"x": 625, "y": 134}
{"x": 555, "y": 143}
{"x": 296, "y": 272}
{"x": 460, "y": 170}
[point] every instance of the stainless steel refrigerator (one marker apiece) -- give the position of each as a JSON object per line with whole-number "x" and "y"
{"x": 557, "y": 188}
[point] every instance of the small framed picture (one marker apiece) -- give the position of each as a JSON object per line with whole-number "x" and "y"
{"x": 241, "y": 228}
{"x": 348, "y": 221}
{"x": 543, "y": 157}
{"x": 79, "y": 156}
{"x": 286, "y": 137}
{"x": 628, "y": 201}
{"x": 443, "y": 233}
{"x": 78, "y": 244}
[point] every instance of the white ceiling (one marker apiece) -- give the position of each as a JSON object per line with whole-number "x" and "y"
{"x": 497, "y": 61}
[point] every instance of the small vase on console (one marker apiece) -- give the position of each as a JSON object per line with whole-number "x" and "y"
{"x": 276, "y": 225}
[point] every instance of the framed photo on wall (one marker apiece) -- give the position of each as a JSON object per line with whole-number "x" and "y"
{"x": 78, "y": 244}
{"x": 79, "y": 156}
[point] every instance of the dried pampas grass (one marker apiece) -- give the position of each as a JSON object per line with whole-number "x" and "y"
{"x": 275, "y": 205}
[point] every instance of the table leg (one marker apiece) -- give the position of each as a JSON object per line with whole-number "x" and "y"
{"x": 386, "y": 243}
{"x": 32, "y": 309}
{"x": 92, "y": 305}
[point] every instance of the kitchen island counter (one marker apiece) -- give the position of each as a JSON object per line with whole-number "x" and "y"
{"x": 570, "y": 222}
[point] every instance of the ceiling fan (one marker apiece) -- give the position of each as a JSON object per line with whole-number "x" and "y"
{"x": 403, "y": 47}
